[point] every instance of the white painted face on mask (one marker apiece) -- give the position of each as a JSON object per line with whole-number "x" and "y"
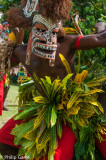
{"x": 44, "y": 37}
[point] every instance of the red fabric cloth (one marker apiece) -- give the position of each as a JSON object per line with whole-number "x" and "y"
{"x": 65, "y": 148}
{"x": 1, "y": 27}
{"x": 65, "y": 145}
{"x": 5, "y": 136}
{"x": 1, "y": 96}
{"x": 2, "y": 93}
{"x": 78, "y": 42}
{"x": 102, "y": 146}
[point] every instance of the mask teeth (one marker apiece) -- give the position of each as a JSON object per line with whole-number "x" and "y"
{"x": 45, "y": 47}
{"x": 47, "y": 56}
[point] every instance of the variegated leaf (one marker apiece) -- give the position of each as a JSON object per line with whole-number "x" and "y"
{"x": 73, "y": 110}
{"x": 53, "y": 115}
{"x": 65, "y": 63}
{"x": 40, "y": 99}
{"x": 41, "y": 144}
{"x": 92, "y": 92}
{"x": 73, "y": 99}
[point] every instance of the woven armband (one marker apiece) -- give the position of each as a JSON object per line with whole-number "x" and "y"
{"x": 78, "y": 41}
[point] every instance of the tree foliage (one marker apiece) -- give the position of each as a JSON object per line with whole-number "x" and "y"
{"x": 5, "y": 4}
{"x": 90, "y": 12}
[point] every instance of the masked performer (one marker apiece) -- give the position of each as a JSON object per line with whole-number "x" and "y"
{"x": 41, "y": 56}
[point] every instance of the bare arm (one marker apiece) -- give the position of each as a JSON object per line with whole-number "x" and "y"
{"x": 93, "y": 41}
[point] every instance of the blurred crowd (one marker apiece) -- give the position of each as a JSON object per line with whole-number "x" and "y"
{"x": 15, "y": 36}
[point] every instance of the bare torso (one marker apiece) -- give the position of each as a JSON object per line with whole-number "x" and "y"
{"x": 41, "y": 67}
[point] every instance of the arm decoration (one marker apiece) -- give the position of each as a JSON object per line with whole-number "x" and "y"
{"x": 78, "y": 42}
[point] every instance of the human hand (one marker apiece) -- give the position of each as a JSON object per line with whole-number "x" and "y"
{"x": 100, "y": 26}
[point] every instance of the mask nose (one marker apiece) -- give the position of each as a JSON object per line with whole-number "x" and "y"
{"x": 52, "y": 38}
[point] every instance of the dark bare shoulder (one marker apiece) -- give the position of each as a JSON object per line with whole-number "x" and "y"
{"x": 20, "y": 48}
{"x": 69, "y": 39}
{"x": 19, "y": 53}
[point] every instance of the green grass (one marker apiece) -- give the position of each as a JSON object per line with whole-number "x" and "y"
{"x": 11, "y": 104}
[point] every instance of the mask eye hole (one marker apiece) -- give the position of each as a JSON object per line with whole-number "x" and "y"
{"x": 40, "y": 30}
{"x": 40, "y": 27}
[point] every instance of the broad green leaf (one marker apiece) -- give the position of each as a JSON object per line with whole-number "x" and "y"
{"x": 40, "y": 99}
{"x": 90, "y": 84}
{"x": 50, "y": 155}
{"x": 59, "y": 127}
{"x": 48, "y": 116}
{"x": 76, "y": 89}
{"x": 26, "y": 144}
{"x": 86, "y": 110}
{"x": 92, "y": 92}
{"x": 66, "y": 117}
{"x": 26, "y": 85}
{"x": 42, "y": 142}
{"x": 86, "y": 88}
{"x": 79, "y": 149}
{"x": 56, "y": 85}
{"x": 52, "y": 143}
{"x": 53, "y": 138}
{"x": 98, "y": 104}
{"x": 40, "y": 83}
{"x": 48, "y": 79}
{"x": 100, "y": 79}
{"x": 73, "y": 99}
{"x": 73, "y": 110}
{"x": 102, "y": 118}
{"x": 19, "y": 132}
{"x": 24, "y": 113}
{"x": 46, "y": 87}
{"x": 41, "y": 131}
{"x": 53, "y": 115}
{"x": 21, "y": 151}
{"x": 39, "y": 118}
{"x": 64, "y": 81}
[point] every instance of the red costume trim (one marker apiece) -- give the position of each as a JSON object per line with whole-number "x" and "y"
{"x": 28, "y": 75}
{"x": 78, "y": 42}
{"x": 1, "y": 27}
{"x": 102, "y": 145}
{"x": 65, "y": 148}
{"x": 2, "y": 93}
